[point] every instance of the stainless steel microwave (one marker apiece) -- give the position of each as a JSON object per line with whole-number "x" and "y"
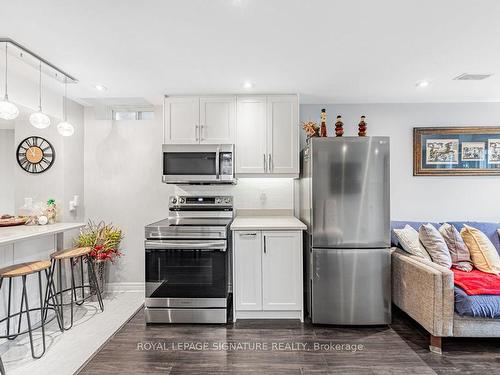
{"x": 198, "y": 164}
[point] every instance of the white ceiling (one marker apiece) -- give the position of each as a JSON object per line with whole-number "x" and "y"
{"x": 326, "y": 50}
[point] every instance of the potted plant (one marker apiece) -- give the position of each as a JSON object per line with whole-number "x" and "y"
{"x": 104, "y": 239}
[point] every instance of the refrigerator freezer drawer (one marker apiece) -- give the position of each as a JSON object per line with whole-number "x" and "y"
{"x": 351, "y": 286}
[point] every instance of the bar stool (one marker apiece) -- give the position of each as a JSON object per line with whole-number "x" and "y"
{"x": 80, "y": 254}
{"x": 23, "y": 270}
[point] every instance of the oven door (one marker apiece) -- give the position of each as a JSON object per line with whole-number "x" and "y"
{"x": 186, "y": 273}
{"x": 198, "y": 164}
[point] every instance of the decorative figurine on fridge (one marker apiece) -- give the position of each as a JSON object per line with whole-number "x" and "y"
{"x": 339, "y": 127}
{"x": 362, "y": 127}
{"x": 322, "y": 130}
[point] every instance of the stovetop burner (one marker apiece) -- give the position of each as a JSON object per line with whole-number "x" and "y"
{"x": 188, "y": 220}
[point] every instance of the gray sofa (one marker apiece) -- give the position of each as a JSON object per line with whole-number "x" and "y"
{"x": 425, "y": 291}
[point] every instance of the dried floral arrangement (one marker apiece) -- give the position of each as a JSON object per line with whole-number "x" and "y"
{"x": 311, "y": 128}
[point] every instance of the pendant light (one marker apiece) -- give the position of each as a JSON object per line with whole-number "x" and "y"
{"x": 39, "y": 119}
{"x": 8, "y": 110}
{"x": 64, "y": 127}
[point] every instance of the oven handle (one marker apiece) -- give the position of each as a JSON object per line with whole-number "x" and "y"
{"x": 179, "y": 245}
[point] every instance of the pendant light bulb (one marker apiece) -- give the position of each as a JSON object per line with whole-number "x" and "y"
{"x": 8, "y": 110}
{"x": 39, "y": 119}
{"x": 64, "y": 127}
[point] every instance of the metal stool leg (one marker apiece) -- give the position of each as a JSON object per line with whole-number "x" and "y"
{"x": 30, "y": 330}
{"x": 8, "y": 308}
{"x": 2, "y": 369}
{"x": 52, "y": 295}
{"x": 82, "y": 285}
{"x": 73, "y": 290}
{"x": 20, "y": 316}
{"x": 59, "y": 274}
{"x": 73, "y": 282}
{"x": 93, "y": 276}
{"x": 43, "y": 307}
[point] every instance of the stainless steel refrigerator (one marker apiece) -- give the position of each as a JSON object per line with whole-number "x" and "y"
{"x": 344, "y": 200}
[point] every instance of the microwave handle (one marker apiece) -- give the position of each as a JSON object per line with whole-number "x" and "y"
{"x": 217, "y": 163}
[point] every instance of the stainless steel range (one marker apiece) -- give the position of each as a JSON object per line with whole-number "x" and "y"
{"x": 187, "y": 261}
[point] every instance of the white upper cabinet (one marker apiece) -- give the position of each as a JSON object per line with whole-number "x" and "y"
{"x": 194, "y": 119}
{"x": 267, "y": 135}
{"x": 251, "y": 138}
{"x": 181, "y": 120}
{"x": 263, "y": 128}
{"x": 217, "y": 119}
{"x": 282, "y": 134}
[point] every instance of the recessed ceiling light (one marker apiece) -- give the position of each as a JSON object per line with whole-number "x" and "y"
{"x": 247, "y": 85}
{"x": 423, "y": 83}
{"x": 473, "y": 76}
{"x": 100, "y": 87}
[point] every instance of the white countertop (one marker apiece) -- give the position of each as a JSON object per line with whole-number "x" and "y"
{"x": 17, "y": 233}
{"x": 267, "y": 223}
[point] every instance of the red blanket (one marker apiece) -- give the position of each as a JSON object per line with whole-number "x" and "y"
{"x": 477, "y": 282}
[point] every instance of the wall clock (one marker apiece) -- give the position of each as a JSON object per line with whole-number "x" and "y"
{"x": 35, "y": 154}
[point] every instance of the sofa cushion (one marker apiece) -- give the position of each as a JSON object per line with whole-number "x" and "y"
{"x": 490, "y": 229}
{"x": 460, "y": 256}
{"x": 481, "y": 305}
{"x": 401, "y": 224}
{"x": 409, "y": 240}
{"x": 484, "y": 255}
{"x": 435, "y": 245}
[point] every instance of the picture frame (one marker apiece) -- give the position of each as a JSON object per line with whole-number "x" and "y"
{"x": 456, "y": 151}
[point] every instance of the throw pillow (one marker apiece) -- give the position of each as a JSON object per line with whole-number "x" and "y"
{"x": 435, "y": 245}
{"x": 460, "y": 256}
{"x": 483, "y": 253}
{"x": 409, "y": 241}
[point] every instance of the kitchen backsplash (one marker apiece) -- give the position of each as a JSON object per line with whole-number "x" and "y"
{"x": 249, "y": 193}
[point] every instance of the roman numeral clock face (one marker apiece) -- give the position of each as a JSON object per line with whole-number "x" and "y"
{"x": 35, "y": 154}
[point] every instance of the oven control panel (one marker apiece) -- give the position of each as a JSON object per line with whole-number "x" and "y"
{"x": 200, "y": 201}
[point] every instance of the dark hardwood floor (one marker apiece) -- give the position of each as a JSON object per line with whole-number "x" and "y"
{"x": 288, "y": 347}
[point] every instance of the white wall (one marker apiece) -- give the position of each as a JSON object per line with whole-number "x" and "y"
{"x": 423, "y": 198}
{"x": 7, "y": 163}
{"x": 123, "y": 185}
{"x": 65, "y": 178}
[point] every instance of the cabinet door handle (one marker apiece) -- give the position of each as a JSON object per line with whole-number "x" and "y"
{"x": 197, "y": 132}
{"x": 265, "y": 165}
{"x": 201, "y": 132}
{"x": 265, "y": 250}
{"x": 270, "y": 163}
{"x": 248, "y": 234}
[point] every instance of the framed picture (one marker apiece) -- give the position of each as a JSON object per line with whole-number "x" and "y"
{"x": 456, "y": 151}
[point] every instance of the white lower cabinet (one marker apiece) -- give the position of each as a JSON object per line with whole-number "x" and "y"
{"x": 267, "y": 275}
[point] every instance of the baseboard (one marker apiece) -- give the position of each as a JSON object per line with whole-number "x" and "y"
{"x": 125, "y": 287}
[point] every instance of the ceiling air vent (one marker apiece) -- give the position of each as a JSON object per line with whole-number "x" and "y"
{"x": 472, "y": 77}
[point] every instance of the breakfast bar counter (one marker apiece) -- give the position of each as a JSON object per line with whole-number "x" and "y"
{"x": 10, "y": 235}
